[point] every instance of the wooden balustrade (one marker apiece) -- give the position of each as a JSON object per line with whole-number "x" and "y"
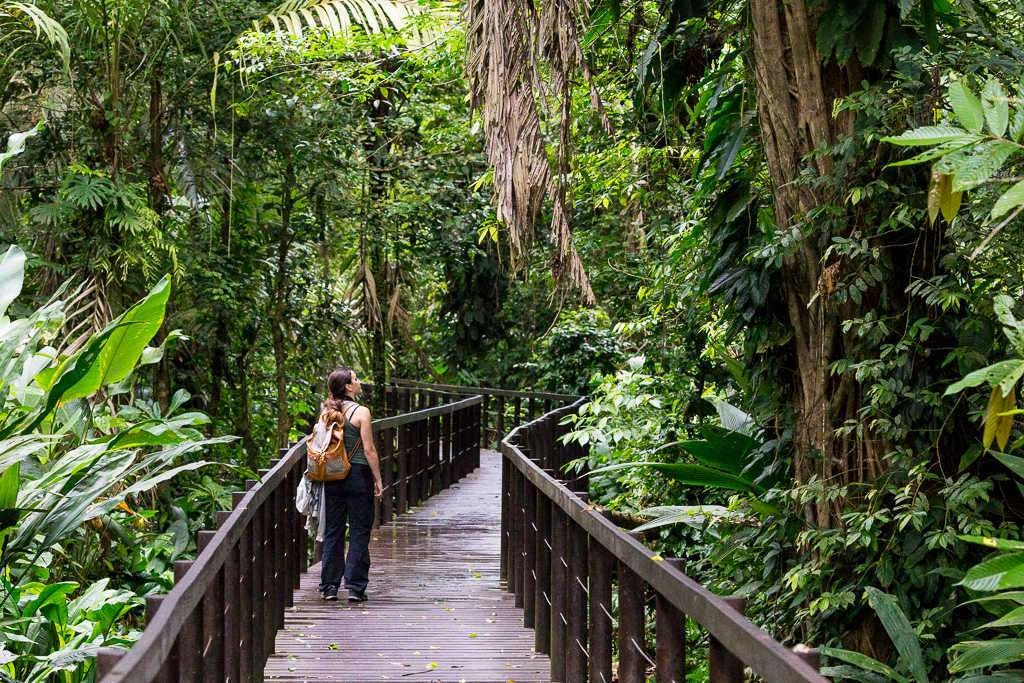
{"x": 220, "y": 620}
{"x": 563, "y": 560}
{"x": 502, "y": 408}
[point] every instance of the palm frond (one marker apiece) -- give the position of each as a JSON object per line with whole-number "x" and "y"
{"x": 33, "y": 18}
{"x": 343, "y": 16}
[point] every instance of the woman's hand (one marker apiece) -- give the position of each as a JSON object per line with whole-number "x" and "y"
{"x": 378, "y": 489}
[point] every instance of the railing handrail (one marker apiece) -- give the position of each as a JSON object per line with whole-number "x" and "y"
{"x": 746, "y": 641}
{"x": 147, "y": 656}
{"x": 492, "y": 391}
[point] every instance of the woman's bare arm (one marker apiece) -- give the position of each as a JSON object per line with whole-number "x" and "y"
{"x": 363, "y": 420}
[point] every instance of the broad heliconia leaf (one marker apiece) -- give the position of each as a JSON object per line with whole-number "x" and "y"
{"x": 1001, "y": 571}
{"x": 1010, "y": 200}
{"x": 864, "y": 662}
{"x": 127, "y": 337}
{"x": 967, "y": 107}
{"x": 975, "y": 654}
{"x": 900, "y": 632}
{"x": 996, "y": 107}
{"x": 12, "y": 276}
{"x": 998, "y": 543}
{"x": 1014, "y": 617}
{"x": 991, "y": 375}
{"x": 932, "y": 135}
{"x": 693, "y": 475}
{"x": 845, "y": 672}
{"x": 1013, "y": 462}
{"x": 723, "y": 450}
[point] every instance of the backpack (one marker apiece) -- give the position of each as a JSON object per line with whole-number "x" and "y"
{"x": 326, "y": 457}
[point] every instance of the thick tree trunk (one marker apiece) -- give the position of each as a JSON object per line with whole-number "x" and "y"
{"x": 279, "y": 317}
{"x": 795, "y": 98}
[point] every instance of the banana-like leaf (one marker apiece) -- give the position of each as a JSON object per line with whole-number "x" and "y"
{"x": 900, "y": 632}
{"x": 693, "y": 515}
{"x": 1002, "y": 571}
{"x": 693, "y": 475}
{"x": 126, "y": 339}
{"x": 975, "y": 654}
{"x": 864, "y": 662}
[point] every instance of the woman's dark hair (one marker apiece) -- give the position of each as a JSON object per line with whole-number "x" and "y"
{"x": 337, "y": 383}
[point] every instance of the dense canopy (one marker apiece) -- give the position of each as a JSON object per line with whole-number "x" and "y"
{"x": 776, "y": 245}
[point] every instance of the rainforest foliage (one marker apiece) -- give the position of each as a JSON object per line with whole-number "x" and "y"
{"x": 777, "y": 244}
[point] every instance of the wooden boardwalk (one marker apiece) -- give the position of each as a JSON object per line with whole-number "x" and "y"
{"x": 436, "y": 610}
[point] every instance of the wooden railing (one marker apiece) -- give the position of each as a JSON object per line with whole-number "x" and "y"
{"x": 503, "y": 409}
{"x": 220, "y": 620}
{"x": 561, "y": 558}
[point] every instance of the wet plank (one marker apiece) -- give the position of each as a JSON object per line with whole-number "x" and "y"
{"x": 436, "y": 611}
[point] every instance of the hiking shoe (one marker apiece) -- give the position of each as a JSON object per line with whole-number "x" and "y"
{"x": 356, "y": 596}
{"x": 330, "y": 594}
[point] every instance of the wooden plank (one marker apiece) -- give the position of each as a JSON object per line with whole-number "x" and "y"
{"x": 436, "y": 608}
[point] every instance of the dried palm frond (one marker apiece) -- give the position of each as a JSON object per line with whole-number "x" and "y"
{"x": 509, "y": 43}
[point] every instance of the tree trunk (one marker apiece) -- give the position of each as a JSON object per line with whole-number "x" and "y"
{"x": 279, "y": 316}
{"x": 796, "y": 93}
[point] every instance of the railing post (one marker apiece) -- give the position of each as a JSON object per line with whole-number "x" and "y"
{"x": 559, "y": 590}
{"x": 601, "y": 570}
{"x": 106, "y": 659}
{"x": 503, "y": 570}
{"x": 632, "y": 643}
{"x": 387, "y": 474}
{"x": 516, "y": 540}
{"x": 530, "y": 553}
{"x": 501, "y": 418}
{"x": 670, "y": 638}
{"x": 244, "y": 611}
{"x": 189, "y": 642}
{"x": 723, "y": 666}
{"x": 576, "y": 629}
{"x": 542, "y": 601}
{"x": 402, "y": 453}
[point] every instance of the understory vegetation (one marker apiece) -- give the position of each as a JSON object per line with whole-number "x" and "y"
{"x": 777, "y": 245}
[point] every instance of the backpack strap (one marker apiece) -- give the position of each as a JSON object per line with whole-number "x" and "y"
{"x": 348, "y": 418}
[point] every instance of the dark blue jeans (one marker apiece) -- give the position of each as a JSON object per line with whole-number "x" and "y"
{"x": 349, "y": 503}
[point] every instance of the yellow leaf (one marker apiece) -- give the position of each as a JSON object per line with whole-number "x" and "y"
{"x": 472, "y": 635}
{"x": 998, "y": 427}
{"x": 657, "y": 558}
{"x": 432, "y": 665}
{"x": 949, "y": 201}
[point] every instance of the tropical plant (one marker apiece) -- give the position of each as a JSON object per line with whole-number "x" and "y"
{"x": 910, "y": 667}
{"x": 69, "y": 456}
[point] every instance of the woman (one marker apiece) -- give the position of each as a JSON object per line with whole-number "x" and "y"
{"x": 350, "y": 500}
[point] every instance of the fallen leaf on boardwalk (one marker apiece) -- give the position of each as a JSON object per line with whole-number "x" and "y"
{"x": 432, "y": 665}
{"x": 490, "y": 621}
{"x": 332, "y": 646}
{"x": 657, "y": 558}
{"x": 472, "y": 635}
{"x": 476, "y": 575}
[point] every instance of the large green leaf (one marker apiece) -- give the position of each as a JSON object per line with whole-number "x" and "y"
{"x": 864, "y": 662}
{"x": 1009, "y": 201}
{"x": 978, "y": 654}
{"x": 1014, "y": 462}
{"x": 692, "y": 475}
{"x": 999, "y": 543}
{"x": 992, "y": 375}
{"x": 932, "y": 135}
{"x": 723, "y": 450}
{"x": 127, "y": 337}
{"x": 996, "y": 107}
{"x": 967, "y": 107}
{"x": 900, "y": 632}
{"x": 845, "y": 672}
{"x": 1001, "y": 571}
{"x": 974, "y": 166}
{"x": 12, "y": 276}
